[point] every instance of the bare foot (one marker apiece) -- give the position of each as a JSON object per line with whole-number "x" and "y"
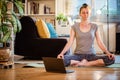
{"x": 74, "y": 62}
{"x": 83, "y": 63}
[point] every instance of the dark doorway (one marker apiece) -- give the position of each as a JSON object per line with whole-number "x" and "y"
{"x": 118, "y": 38}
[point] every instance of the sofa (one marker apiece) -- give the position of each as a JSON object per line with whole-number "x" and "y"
{"x": 30, "y": 45}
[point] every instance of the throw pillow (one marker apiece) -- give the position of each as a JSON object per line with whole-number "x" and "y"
{"x": 42, "y": 29}
{"x": 52, "y": 31}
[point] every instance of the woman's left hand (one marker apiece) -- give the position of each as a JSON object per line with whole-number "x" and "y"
{"x": 111, "y": 56}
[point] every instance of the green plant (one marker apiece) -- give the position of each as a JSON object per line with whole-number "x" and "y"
{"x": 9, "y": 20}
{"x": 61, "y": 17}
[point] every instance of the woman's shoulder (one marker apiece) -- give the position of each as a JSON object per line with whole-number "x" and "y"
{"x": 75, "y": 24}
{"x": 94, "y": 26}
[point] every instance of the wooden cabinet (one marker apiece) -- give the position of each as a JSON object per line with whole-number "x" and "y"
{"x": 63, "y": 29}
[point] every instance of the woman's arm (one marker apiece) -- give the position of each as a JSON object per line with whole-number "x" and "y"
{"x": 100, "y": 42}
{"x": 102, "y": 46}
{"x": 68, "y": 45}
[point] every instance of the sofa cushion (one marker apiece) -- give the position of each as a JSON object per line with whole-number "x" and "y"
{"x": 52, "y": 31}
{"x": 42, "y": 29}
{"x": 29, "y": 29}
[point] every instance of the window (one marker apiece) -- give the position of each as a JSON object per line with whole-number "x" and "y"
{"x": 102, "y": 8}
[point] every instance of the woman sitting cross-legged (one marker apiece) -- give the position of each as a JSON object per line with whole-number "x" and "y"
{"x": 85, "y": 32}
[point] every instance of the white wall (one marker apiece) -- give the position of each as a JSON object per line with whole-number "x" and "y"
{"x": 112, "y": 37}
{"x": 60, "y": 6}
{"x": 111, "y": 42}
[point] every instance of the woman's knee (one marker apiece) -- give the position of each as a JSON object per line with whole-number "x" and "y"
{"x": 66, "y": 60}
{"x": 108, "y": 61}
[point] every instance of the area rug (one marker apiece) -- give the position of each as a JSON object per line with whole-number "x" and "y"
{"x": 37, "y": 65}
{"x": 116, "y": 65}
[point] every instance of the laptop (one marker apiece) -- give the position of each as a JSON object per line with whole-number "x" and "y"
{"x": 55, "y": 65}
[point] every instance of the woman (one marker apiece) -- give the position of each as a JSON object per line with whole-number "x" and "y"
{"x": 85, "y": 54}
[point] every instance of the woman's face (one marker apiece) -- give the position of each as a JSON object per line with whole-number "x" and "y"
{"x": 85, "y": 12}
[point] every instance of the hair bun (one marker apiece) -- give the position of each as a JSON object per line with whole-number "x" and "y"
{"x": 84, "y": 5}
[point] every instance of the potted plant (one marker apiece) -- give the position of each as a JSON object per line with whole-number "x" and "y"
{"x": 61, "y": 18}
{"x": 9, "y": 23}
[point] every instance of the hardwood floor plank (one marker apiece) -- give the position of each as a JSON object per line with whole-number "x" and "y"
{"x": 81, "y": 73}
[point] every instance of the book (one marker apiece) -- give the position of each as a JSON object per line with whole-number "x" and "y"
{"x": 41, "y": 8}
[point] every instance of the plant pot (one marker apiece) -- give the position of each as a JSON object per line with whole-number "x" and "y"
{"x": 4, "y": 54}
{"x": 59, "y": 22}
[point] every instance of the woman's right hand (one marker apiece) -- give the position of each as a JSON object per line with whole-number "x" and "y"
{"x": 61, "y": 56}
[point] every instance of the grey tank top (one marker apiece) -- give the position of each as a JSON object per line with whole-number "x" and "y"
{"x": 85, "y": 40}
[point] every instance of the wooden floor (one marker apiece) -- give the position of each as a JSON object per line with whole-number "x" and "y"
{"x": 81, "y": 73}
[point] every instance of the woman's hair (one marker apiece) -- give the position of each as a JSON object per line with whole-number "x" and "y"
{"x": 83, "y": 6}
